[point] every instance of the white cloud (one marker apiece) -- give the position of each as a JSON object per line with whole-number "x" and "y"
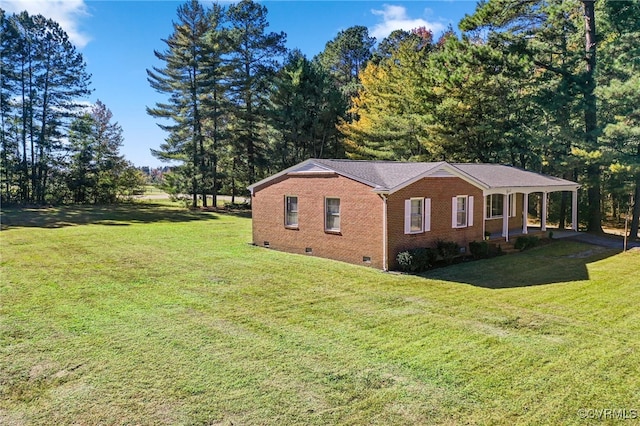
{"x": 67, "y": 13}
{"x": 395, "y": 18}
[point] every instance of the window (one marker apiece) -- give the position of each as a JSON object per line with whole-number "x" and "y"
{"x": 291, "y": 211}
{"x": 462, "y": 211}
{"x": 461, "y": 206}
{"x": 417, "y": 215}
{"x": 495, "y": 203}
{"x": 495, "y": 206}
{"x": 332, "y": 214}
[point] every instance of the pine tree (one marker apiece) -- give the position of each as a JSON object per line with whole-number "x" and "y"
{"x": 191, "y": 77}
{"x": 391, "y": 110}
{"x": 558, "y": 37}
{"x": 43, "y": 79}
{"x": 304, "y": 109}
{"x": 253, "y": 62}
{"x": 619, "y": 96}
{"x": 345, "y": 56}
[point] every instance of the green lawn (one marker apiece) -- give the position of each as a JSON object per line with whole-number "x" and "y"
{"x": 150, "y": 314}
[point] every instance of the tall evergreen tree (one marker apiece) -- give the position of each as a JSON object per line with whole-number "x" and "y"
{"x": 346, "y": 55}
{"x": 619, "y": 97}
{"x": 559, "y": 38}
{"x": 253, "y": 61}
{"x": 43, "y": 78}
{"x": 97, "y": 172}
{"x": 190, "y": 76}
{"x": 392, "y": 109}
{"x": 82, "y": 172}
{"x": 304, "y": 109}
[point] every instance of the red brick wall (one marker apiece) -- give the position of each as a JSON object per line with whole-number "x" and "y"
{"x": 440, "y": 190}
{"x": 360, "y": 218}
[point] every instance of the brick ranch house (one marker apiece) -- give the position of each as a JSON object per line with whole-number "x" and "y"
{"x": 366, "y": 212}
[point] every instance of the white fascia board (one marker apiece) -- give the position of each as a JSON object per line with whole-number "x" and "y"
{"x": 324, "y": 170}
{"x": 443, "y": 165}
{"x": 277, "y": 175}
{"x": 530, "y": 189}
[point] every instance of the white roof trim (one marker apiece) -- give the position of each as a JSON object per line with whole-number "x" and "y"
{"x": 442, "y": 166}
{"x": 252, "y": 187}
{"x": 530, "y": 189}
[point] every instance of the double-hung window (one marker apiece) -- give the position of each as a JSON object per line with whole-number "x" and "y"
{"x": 291, "y": 211}
{"x": 332, "y": 214}
{"x": 462, "y": 211}
{"x": 417, "y": 215}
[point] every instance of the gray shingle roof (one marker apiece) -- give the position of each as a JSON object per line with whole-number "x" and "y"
{"x": 382, "y": 174}
{"x": 500, "y": 176}
{"x": 388, "y": 176}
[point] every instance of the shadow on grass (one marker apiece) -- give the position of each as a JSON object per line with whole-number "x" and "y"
{"x": 109, "y": 215}
{"x": 562, "y": 261}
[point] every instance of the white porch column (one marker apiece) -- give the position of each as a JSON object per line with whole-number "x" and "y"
{"x": 543, "y": 218}
{"x": 505, "y": 217}
{"x": 525, "y": 210}
{"x": 574, "y": 210}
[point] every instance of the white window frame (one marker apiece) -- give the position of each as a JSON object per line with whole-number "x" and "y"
{"x": 287, "y": 211}
{"x": 489, "y": 207}
{"x": 333, "y": 214}
{"x": 424, "y": 213}
{"x": 468, "y": 222}
{"x": 489, "y": 210}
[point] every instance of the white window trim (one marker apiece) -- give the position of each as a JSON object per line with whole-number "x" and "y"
{"x": 469, "y": 211}
{"x": 425, "y": 206}
{"x": 512, "y": 200}
{"x": 326, "y": 213}
{"x": 490, "y": 207}
{"x": 286, "y": 212}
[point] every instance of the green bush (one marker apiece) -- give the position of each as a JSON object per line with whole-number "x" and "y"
{"x": 484, "y": 249}
{"x": 525, "y": 242}
{"x": 417, "y": 259}
{"x": 479, "y": 249}
{"x": 448, "y": 250}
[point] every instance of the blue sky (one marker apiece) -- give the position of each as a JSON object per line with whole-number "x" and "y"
{"x": 117, "y": 40}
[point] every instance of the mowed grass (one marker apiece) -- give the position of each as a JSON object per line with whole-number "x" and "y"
{"x": 150, "y": 314}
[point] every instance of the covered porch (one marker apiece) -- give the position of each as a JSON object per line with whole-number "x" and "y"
{"x": 507, "y": 211}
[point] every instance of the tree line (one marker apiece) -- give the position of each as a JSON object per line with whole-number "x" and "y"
{"x": 518, "y": 85}
{"x": 54, "y": 148}
{"x": 239, "y": 105}
{"x": 547, "y": 85}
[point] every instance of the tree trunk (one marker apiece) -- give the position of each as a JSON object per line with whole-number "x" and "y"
{"x": 590, "y": 118}
{"x": 635, "y": 217}
{"x": 563, "y": 210}
{"x": 214, "y": 150}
